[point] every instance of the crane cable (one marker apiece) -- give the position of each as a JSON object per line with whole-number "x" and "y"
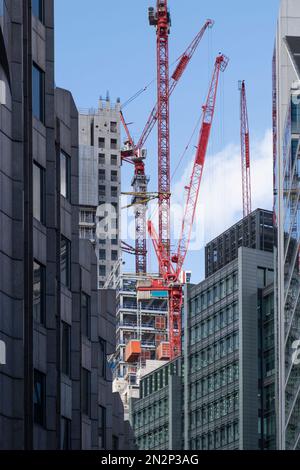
{"x": 145, "y": 88}
{"x": 154, "y": 212}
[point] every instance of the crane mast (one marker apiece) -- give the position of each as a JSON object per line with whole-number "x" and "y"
{"x": 139, "y": 201}
{"x": 184, "y": 60}
{"x": 245, "y": 151}
{"x": 162, "y": 21}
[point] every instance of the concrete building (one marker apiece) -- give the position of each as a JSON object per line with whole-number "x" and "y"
{"x": 55, "y": 384}
{"x": 286, "y": 129}
{"x": 228, "y": 374}
{"x": 255, "y": 232}
{"x": 100, "y": 181}
{"x": 138, "y": 319}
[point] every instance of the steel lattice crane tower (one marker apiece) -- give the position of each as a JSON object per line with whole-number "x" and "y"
{"x": 160, "y": 18}
{"x": 136, "y": 155}
{"x": 245, "y": 151}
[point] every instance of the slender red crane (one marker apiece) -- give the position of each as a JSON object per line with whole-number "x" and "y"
{"x": 245, "y": 151}
{"x": 162, "y": 21}
{"x": 183, "y": 62}
{"x": 171, "y": 270}
{"x": 134, "y": 153}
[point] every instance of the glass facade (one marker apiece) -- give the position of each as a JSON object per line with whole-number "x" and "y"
{"x": 38, "y": 93}
{"x": 289, "y": 262}
{"x": 213, "y": 362}
{"x": 65, "y": 261}
{"x": 38, "y": 9}
{"x": 39, "y": 398}
{"x": 151, "y": 414}
{"x": 1, "y": 11}
{"x": 286, "y": 138}
{"x": 39, "y": 292}
{"x": 38, "y": 193}
{"x": 65, "y": 175}
{"x": 266, "y": 369}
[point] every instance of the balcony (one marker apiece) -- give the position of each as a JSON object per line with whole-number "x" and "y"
{"x": 131, "y": 324}
{"x": 129, "y": 306}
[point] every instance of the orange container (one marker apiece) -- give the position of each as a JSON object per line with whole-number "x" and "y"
{"x": 163, "y": 352}
{"x": 159, "y": 338}
{"x": 132, "y": 351}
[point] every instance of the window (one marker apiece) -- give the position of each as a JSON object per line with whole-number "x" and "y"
{"x": 38, "y": 193}
{"x": 38, "y": 93}
{"x": 114, "y": 160}
{"x": 261, "y": 278}
{"x": 295, "y": 115}
{"x": 101, "y": 142}
{"x": 113, "y": 127}
{"x": 114, "y": 255}
{"x": 65, "y": 261}
{"x": 114, "y": 176}
{"x": 66, "y": 349}
{"x": 102, "y": 270}
{"x": 65, "y": 434}
{"x": 85, "y": 392}
{"x": 235, "y": 312}
{"x": 65, "y": 175}
{"x": 39, "y": 292}
{"x": 101, "y": 174}
{"x": 102, "y": 361}
{"x": 87, "y": 217}
{"x": 115, "y": 443}
{"x": 115, "y": 240}
{"x": 101, "y": 159}
{"x": 39, "y": 398}
{"x": 102, "y": 190}
{"x": 235, "y": 281}
{"x": 102, "y": 427}
{"x": 113, "y": 144}
{"x": 102, "y": 255}
{"x": 38, "y": 9}
{"x": 114, "y": 191}
{"x": 85, "y": 315}
{"x": 223, "y": 289}
{"x": 114, "y": 210}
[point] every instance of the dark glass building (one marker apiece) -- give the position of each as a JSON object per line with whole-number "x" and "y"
{"x": 227, "y": 371}
{"x": 56, "y": 329}
{"x": 286, "y": 138}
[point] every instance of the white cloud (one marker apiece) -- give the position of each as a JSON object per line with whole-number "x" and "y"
{"x": 220, "y": 199}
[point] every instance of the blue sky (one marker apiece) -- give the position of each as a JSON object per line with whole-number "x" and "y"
{"x": 103, "y": 45}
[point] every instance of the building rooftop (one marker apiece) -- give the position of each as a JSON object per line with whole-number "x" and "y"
{"x": 254, "y": 231}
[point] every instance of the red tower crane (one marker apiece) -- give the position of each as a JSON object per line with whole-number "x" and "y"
{"x": 245, "y": 151}
{"x": 160, "y": 18}
{"x": 135, "y": 155}
{"x": 183, "y": 62}
{"x": 171, "y": 270}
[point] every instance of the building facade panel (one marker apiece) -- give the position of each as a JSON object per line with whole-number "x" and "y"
{"x": 53, "y": 376}
{"x": 226, "y": 394}
{"x": 286, "y": 92}
{"x": 100, "y": 183}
